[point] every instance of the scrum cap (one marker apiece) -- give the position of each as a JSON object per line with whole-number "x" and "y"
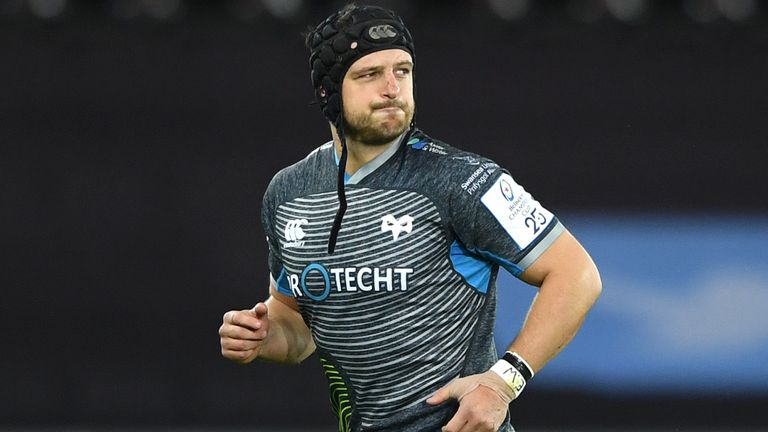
{"x": 343, "y": 38}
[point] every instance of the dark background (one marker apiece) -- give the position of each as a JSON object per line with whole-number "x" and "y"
{"x": 135, "y": 148}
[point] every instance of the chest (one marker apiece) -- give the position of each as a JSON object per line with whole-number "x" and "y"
{"x": 388, "y": 242}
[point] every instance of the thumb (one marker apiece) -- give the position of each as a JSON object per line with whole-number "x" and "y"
{"x": 259, "y": 311}
{"x": 448, "y": 391}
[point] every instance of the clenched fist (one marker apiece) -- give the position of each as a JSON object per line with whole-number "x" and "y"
{"x": 243, "y": 333}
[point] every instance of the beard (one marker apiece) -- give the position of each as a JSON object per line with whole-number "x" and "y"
{"x": 366, "y": 128}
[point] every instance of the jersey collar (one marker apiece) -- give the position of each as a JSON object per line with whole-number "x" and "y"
{"x": 374, "y": 163}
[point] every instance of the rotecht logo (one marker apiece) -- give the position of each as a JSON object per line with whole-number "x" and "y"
{"x": 294, "y": 234}
{"x": 396, "y": 226}
{"x": 381, "y": 32}
{"x": 317, "y": 281}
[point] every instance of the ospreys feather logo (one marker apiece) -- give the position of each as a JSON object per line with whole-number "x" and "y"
{"x": 294, "y": 233}
{"x": 381, "y": 32}
{"x": 396, "y": 226}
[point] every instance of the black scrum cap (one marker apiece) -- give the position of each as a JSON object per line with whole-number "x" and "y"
{"x": 335, "y": 44}
{"x": 342, "y": 39}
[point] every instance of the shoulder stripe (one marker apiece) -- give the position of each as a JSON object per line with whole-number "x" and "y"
{"x": 541, "y": 246}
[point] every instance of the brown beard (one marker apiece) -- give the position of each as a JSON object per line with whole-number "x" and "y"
{"x": 361, "y": 127}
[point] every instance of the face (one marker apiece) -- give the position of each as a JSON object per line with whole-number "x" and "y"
{"x": 377, "y": 93}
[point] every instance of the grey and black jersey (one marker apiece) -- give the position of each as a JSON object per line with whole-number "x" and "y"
{"x": 406, "y": 302}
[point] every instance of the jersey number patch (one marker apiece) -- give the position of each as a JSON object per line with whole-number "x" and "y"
{"x": 521, "y": 216}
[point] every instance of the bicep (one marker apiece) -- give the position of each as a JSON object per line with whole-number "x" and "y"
{"x": 565, "y": 256}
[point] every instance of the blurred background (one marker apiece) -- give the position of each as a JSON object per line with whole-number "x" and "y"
{"x": 137, "y": 138}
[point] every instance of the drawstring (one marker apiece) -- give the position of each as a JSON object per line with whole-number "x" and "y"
{"x": 340, "y": 190}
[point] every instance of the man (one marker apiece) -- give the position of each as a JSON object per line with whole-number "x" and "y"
{"x": 384, "y": 245}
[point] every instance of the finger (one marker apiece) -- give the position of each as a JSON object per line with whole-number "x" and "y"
{"x": 239, "y": 344}
{"x": 260, "y": 310}
{"x": 236, "y": 332}
{"x": 457, "y": 422}
{"x": 242, "y": 319}
{"x": 238, "y": 356}
{"x": 442, "y": 395}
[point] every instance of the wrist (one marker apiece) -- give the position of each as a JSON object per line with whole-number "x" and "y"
{"x": 515, "y": 372}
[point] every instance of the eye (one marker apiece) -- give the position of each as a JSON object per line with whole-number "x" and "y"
{"x": 367, "y": 75}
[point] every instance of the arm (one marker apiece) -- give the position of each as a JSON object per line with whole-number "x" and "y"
{"x": 271, "y": 331}
{"x": 569, "y": 285}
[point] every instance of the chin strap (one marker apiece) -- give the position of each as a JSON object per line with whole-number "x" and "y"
{"x": 340, "y": 191}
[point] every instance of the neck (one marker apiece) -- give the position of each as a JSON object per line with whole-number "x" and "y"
{"x": 358, "y": 153}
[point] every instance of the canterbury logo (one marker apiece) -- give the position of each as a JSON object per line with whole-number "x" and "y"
{"x": 381, "y": 32}
{"x": 293, "y": 231}
{"x": 396, "y": 226}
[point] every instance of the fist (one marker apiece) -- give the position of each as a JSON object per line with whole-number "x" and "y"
{"x": 243, "y": 333}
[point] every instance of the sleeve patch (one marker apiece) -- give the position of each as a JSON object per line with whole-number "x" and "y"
{"x": 517, "y": 211}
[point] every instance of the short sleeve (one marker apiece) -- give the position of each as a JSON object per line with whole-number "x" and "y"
{"x": 494, "y": 218}
{"x": 274, "y": 260}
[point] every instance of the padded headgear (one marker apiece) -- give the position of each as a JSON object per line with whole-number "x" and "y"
{"x": 342, "y": 39}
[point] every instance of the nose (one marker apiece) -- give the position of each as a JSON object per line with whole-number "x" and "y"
{"x": 392, "y": 86}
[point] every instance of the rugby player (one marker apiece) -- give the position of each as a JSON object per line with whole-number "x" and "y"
{"x": 384, "y": 246}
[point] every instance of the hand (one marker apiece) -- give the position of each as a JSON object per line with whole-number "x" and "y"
{"x": 243, "y": 333}
{"x": 483, "y": 402}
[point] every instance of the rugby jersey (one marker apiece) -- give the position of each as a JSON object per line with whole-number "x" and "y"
{"x": 406, "y": 303}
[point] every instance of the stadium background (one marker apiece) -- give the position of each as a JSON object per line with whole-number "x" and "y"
{"x": 137, "y": 138}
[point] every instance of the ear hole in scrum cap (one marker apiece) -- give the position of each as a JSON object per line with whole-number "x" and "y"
{"x": 335, "y": 44}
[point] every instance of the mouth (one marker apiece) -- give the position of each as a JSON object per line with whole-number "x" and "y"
{"x": 389, "y": 110}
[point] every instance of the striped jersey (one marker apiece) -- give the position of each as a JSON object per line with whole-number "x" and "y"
{"x": 406, "y": 302}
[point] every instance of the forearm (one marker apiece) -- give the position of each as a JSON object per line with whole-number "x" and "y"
{"x": 565, "y": 296}
{"x": 288, "y": 340}
{"x": 556, "y": 314}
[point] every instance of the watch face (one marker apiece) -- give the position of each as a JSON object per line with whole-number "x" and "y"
{"x": 517, "y": 382}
